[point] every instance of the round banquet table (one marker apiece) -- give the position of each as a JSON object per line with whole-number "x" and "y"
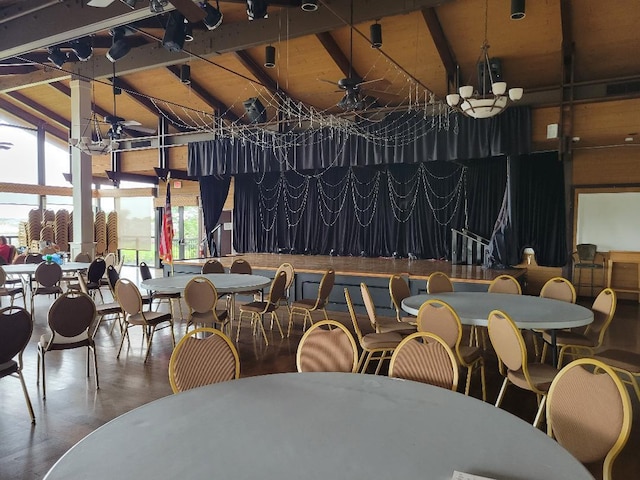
{"x": 317, "y": 426}
{"x": 224, "y": 282}
{"x": 30, "y": 268}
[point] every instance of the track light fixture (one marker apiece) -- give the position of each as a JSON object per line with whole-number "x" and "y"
{"x": 119, "y": 46}
{"x": 257, "y": 9}
{"x": 82, "y": 49}
{"x": 517, "y": 9}
{"x": 130, "y": 3}
{"x": 174, "y": 33}
{"x": 309, "y": 5}
{"x": 375, "y": 35}
{"x": 157, "y": 6}
{"x": 269, "y": 56}
{"x": 214, "y": 15}
{"x": 188, "y": 31}
{"x": 185, "y": 74}
{"x": 57, "y": 57}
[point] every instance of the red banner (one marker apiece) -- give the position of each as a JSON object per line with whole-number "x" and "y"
{"x": 166, "y": 235}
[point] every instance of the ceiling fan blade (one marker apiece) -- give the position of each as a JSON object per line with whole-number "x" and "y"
{"x": 190, "y": 10}
{"x": 377, "y": 80}
{"x": 327, "y": 81}
{"x": 139, "y": 128}
{"x": 129, "y": 123}
{"x": 99, "y": 3}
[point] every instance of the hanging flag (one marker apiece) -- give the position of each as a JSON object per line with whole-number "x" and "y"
{"x": 166, "y": 235}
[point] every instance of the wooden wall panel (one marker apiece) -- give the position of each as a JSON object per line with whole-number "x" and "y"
{"x": 540, "y": 118}
{"x": 177, "y": 157}
{"x": 187, "y": 195}
{"x": 140, "y": 161}
{"x": 607, "y": 166}
{"x": 100, "y": 164}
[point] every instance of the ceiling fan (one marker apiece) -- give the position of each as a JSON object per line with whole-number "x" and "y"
{"x": 118, "y": 126}
{"x": 188, "y": 8}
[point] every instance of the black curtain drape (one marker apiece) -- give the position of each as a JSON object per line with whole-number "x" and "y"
{"x": 213, "y": 192}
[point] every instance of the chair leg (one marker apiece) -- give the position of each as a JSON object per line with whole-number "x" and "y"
{"x": 150, "y": 333}
{"x": 366, "y": 362}
{"x": 503, "y": 389}
{"x": 260, "y": 320}
{"x": 484, "y": 382}
{"x": 125, "y": 334}
{"x": 380, "y": 360}
{"x": 44, "y": 382}
{"x": 468, "y": 382}
{"x": 95, "y": 366}
{"x": 275, "y": 315}
{"x": 360, "y": 360}
{"x": 26, "y": 397}
{"x": 540, "y": 412}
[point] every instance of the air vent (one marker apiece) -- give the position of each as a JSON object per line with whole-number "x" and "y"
{"x": 623, "y": 88}
{"x": 141, "y": 143}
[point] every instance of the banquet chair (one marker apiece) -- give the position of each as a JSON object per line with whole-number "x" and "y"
{"x": 383, "y": 324}
{"x": 327, "y": 350}
{"x": 306, "y": 306}
{"x": 584, "y": 258}
{"x": 439, "y": 282}
{"x": 34, "y": 258}
{"x": 129, "y": 298}
{"x": 398, "y": 291}
{"x": 257, "y": 309}
{"x": 82, "y": 257}
{"x": 573, "y": 343}
{"x": 589, "y": 413}
{"x": 95, "y": 272}
{"x": 439, "y": 318}
{"x": 16, "y": 327}
{"x": 9, "y": 289}
{"x": 212, "y": 266}
{"x": 145, "y": 274}
{"x": 559, "y": 288}
{"x": 241, "y": 266}
{"x": 196, "y": 362}
{"x": 625, "y": 363}
{"x": 201, "y": 297}
{"x": 103, "y": 309}
{"x": 372, "y": 343}
{"x": 71, "y": 323}
{"x": 424, "y": 357}
{"x": 113, "y": 276}
{"x": 505, "y": 284}
{"x": 509, "y": 345}
{"x": 47, "y": 281}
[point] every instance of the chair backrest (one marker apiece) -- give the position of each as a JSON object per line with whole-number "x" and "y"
{"x": 398, "y": 290}
{"x": 112, "y": 276}
{"x": 120, "y": 264}
{"x": 287, "y": 268}
{"x": 110, "y": 259}
{"x": 586, "y": 252}
{"x": 72, "y": 314}
{"x": 128, "y": 296}
{"x": 200, "y": 295}
{"x": 212, "y": 266}
{"x": 439, "y": 283}
{"x": 3, "y": 276}
{"x": 48, "y": 274}
{"x": 82, "y": 283}
{"x": 424, "y": 357}
{"x": 505, "y": 284}
{"x": 559, "y": 288}
{"x": 83, "y": 257}
{"x": 241, "y": 266}
{"x": 507, "y": 341}
{"x": 196, "y": 362}
{"x": 145, "y": 272}
{"x": 327, "y": 350}
{"x": 369, "y": 305}
{"x": 589, "y": 412}
{"x": 361, "y": 330}
{"x": 15, "y": 332}
{"x": 439, "y": 318}
{"x": 278, "y": 286}
{"x": 325, "y": 287}
{"x": 13, "y": 252}
{"x": 96, "y": 270}
{"x": 20, "y": 259}
{"x": 603, "y": 308}
{"x": 33, "y": 258}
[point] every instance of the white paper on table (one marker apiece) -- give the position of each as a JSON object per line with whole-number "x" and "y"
{"x": 468, "y": 476}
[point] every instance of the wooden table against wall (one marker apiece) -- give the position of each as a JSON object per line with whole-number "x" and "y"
{"x": 618, "y": 272}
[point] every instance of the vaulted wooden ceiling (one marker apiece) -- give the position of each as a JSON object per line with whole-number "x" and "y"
{"x": 426, "y": 43}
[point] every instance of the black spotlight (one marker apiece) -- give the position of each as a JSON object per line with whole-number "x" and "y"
{"x": 82, "y": 49}
{"x": 517, "y": 9}
{"x": 257, "y": 9}
{"x": 157, "y": 6}
{"x": 119, "y": 46}
{"x": 174, "y": 33}
{"x": 255, "y": 110}
{"x": 188, "y": 31}
{"x": 214, "y": 15}
{"x": 309, "y": 5}
{"x": 185, "y": 74}
{"x": 130, "y": 3}
{"x": 375, "y": 35}
{"x": 269, "y": 56}
{"x": 57, "y": 57}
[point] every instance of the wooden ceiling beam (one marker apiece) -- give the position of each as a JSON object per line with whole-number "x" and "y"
{"x": 17, "y": 69}
{"x": 33, "y": 120}
{"x": 447, "y": 56}
{"x": 337, "y": 55}
{"x": 255, "y": 70}
{"x": 50, "y": 114}
{"x": 62, "y": 88}
{"x": 206, "y": 97}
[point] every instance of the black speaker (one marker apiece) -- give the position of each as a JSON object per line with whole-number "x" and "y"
{"x": 256, "y": 113}
{"x": 174, "y": 33}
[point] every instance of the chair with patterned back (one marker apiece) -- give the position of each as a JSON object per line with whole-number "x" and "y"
{"x": 196, "y": 362}
{"x": 257, "y": 309}
{"x": 71, "y": 323}
{"x": 559, "y": 288}
{"x": 439, "y": 318}
{"x": 425, "y": 357}
{"x": 372, "y": 343}
{"x": 47, "y": 279}
{"x": 398, "y": 291}
{"x": 439, "y": 282}
{"x": 589, "y": 413}
{"x": 327, "y": 347}
{"x": 509, "y": 345}
{"x": 212, "y": 266}
{"x": 505, "y": 284}
{"x": 383, "y": 324}
{"x": 201, "y": 297}
{"x": 306, "y": 306}
{"x": 16, "y": 327}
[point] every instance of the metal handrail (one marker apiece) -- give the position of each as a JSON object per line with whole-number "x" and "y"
{"x": 472, "y": 248}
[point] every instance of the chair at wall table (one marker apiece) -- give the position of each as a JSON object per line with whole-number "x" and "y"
{"x": 584, "y": 258}
{"x": 196, "y": 362}
{"x": 306, "y": 306}
{"x": 327, "y": 347}
{"x": 589, "y": 413}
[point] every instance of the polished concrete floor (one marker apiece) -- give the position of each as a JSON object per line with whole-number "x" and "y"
{"x": 74, "y": 408}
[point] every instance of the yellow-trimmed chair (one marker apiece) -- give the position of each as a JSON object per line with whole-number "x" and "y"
{"x": 505, "y": 284}
{"x": 439, "y": 318}
{"x": 509, "y": 345}
{"x": 257, "y": 309}
{"x": 371, "y": 343}
{"x": 306, "y": 306}
{"x": 589, "y": 412}
{"x": 398, "y": 291}
{"x": 16, "y": 327}
{"x": 559, "y": 288}
{"x": 382, "y": 324}
{"x": 330, "y": 349}
{"x": 201, "y": 297}
{"x": 439, "y": 282}
{"x": 574, "y": 343}
{"x": 196, "y": 362}
{"x": 102, "y": 309}
{"x": 424, "y": 357}
{"x": 212, "y": 266}
{"x": 626, "y": 364}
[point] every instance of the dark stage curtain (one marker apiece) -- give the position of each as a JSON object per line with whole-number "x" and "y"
{"x": 213, "y": 192}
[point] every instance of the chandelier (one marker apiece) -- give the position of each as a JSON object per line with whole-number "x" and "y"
{"x": 492, "y": 96}
{"x": 96, "y": 144}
